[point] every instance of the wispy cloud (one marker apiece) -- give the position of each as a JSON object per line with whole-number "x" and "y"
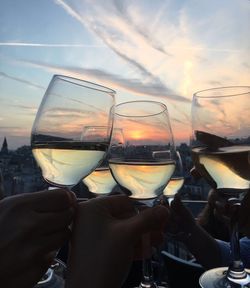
{"x": 112, "y": 80}
{"x": 26, "y": 82}
{"x": 118, "y": 34}
{"x": 173, "y": 54}
{"x": 15, "y": 130}
{"x": 27, "y": 109}
{"x": 23, "y": 44}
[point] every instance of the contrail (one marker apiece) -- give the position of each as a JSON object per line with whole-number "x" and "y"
{"x": 2, "y": 74}
{"x": 49, "y": 45}
{"x": 69, "y": 10}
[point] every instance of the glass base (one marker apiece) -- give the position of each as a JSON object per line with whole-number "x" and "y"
{"x": 216, "y": 278}
{"x": 54, "y": 277}
{"x": 162, "y": 285}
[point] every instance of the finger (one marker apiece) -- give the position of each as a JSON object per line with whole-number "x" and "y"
{"x": 176, "y": 204}
{"x": 54, "y": 222}
{"x": 116, "y": 205}
{"x": 195, "y": 173}
{"x": 51, "y": 200}
{"x": 52, "y": 242}
{"x": 148, "y": 220}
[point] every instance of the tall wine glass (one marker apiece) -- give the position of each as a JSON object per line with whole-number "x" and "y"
{"x": 221, "y": 153}
{"x": 143, "y": 163}
{"x": 58, "y": 144}
{"x": 176, "y": 181}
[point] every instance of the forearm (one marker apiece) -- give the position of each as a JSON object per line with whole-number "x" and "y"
{"x": 204, "y": 247}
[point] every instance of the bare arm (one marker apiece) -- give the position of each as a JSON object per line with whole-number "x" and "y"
{"x": 203, "y": 246}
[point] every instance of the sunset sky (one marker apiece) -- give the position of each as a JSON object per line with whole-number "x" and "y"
{"x": 156, "y": 50}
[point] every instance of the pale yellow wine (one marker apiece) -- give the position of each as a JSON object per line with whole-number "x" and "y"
{"x": 228, "y": 167}
{"x": 65, "y": 164}
{"x": 173, "y": 186}
{"x": 145, "y": 180}
{"x": 100, "y": 181}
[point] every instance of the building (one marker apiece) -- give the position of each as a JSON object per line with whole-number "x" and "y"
{"x": 4, "y": 149}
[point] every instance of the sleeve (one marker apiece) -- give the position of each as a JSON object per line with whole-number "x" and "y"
{"x": 245, "y": 251}
{"x": 226, "y": 254}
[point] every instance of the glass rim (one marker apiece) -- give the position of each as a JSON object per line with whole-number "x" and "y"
{"x": 164, "y": 108}
{"x": 199, "y": 93}
{"x": 80, "y": 82}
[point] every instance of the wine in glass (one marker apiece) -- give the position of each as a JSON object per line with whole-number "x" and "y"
{"x": 58, "y": 144}
{"x": 221, "y": 153}
{"x": 100, "y": 181}
{"x": 176, "y": 181}
{"x": 144, "y": 162}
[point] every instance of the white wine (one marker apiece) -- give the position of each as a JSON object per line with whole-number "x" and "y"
{"x": 227, "y": 167}
{"x": 144, "y": 180}
{"x": 173, "y": 186}
{"x": 66, "y": 163}
{"x": 100, "y": 181}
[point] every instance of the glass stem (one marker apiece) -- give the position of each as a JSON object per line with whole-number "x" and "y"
{"x": 236, "y": 269}
{"x": 147, "y": 269}
{"x": 147, "y": 277}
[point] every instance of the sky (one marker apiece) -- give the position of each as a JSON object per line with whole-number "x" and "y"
{"x": 163, "y": 50}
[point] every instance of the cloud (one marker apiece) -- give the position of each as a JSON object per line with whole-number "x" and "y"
{"x": 26, "y": 82}
{"x": 130, "y": 31}
{"x": 130, "y": 85}
{"x": 15, "y": 130}
{"x": 23, "y": 44}
{"x": 27, "y": 109}
{"x": 116, "y": 32}
{"x": 122, "y": 9}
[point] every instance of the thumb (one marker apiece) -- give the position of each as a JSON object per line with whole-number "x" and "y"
{"x": 148, "y": 220}
{"x": 181, "y": 211}
{"x": 176, "y": 204}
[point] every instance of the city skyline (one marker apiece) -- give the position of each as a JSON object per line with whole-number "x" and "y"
{"x": 154, "y": 50}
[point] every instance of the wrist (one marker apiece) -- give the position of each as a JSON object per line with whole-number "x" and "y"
{"x": 186, "y": 234}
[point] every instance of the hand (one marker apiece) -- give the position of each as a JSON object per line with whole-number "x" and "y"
{"x": 106, "y": 233}
{"x": 32, "y": 227}
{"x": 181, "y": 219}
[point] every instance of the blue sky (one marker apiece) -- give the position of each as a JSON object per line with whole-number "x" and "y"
{"x": 161, "y": 50}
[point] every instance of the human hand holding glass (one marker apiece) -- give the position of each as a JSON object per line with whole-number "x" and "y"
{"x": 220, "y": 151}
{"x": 143, "y": 163}
{"x": 58, "y": 144}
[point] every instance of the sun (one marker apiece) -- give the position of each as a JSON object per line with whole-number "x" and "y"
{"x": 136, "y": 135}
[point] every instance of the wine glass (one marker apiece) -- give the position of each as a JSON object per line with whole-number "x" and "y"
{"x": 143, "y": 163}
{"x": 221, "y": 153}
{"x": 176, "y": 181}
{"x": 100, "y": 181}
{"x": 58, "y": 144}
